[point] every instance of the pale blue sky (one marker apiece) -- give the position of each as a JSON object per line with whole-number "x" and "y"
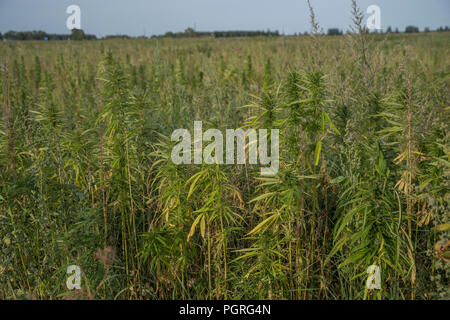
{"x": 134, "y": 17}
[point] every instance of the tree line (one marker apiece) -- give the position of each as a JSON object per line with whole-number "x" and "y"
{"x": 408, "y": 29}
{"x": 78, "y": 34}
{"x": 190, "y": 33}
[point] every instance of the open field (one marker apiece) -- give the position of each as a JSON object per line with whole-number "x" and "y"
{"x": 86, "y": 176}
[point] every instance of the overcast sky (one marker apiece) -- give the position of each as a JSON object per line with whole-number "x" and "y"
{"x": 151, "y": 17}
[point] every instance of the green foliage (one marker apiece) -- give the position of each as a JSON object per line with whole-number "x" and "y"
{"x": 86, "y": 176}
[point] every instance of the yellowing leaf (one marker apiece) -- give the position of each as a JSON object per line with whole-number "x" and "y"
{"x": 194, "y": 225}
{"x": 317, "y": 153}
{"x": 202, "y": 226}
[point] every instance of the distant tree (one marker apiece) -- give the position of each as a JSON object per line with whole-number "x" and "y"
{"x": 411, "y": 29}
{"x": 10, "y": 35}
{"x": 389, "y": 30}
{"x": 446, "y": 28}
{"x": 1, "y": 37}
{"x": 396, "y": 30}
{"x": 427, "y": 29}
{"x": 334, "y": 32}
{"x": 77, "y": 35}
{"x": 189, "y": 32}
